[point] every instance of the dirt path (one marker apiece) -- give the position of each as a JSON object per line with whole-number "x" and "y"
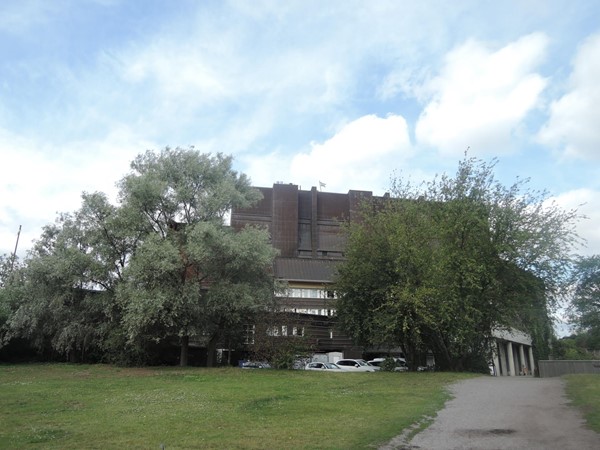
{"x": 505, "y": 413}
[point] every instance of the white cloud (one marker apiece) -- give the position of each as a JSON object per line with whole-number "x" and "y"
{"x": 481, "y": 96}
{"x": 40, "y": 180}
{"x": 587, "y": 203}
{"x": 267, "y": 169}
{"x": 574, "y": 118}
{"x": 179, "y": 70}
{"x": 361, "y": 155}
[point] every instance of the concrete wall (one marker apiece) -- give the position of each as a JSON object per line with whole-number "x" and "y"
{"x": 558, "y": 368}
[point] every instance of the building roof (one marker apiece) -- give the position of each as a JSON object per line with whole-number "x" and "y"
{"x": 307, "y": 270}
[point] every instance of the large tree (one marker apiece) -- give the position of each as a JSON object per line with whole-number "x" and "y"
{"x": 63, "y": 295}
{"x": 112, "y": 282}
{"x": 438, "y": 266}
{"x": 585, "y": 304}
{"x": 191, "y": 277}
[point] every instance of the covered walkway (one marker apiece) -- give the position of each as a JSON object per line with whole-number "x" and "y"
{"x": 512, "y": 353}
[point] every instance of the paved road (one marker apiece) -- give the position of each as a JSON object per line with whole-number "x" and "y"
{"x": 505, "y": 413}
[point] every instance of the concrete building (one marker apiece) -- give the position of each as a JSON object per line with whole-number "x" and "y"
{"x": 305, "y": 227}
{"x": 512, "y": 353}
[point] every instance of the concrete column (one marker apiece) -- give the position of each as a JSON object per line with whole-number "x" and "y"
{"x": 502, "y": 352}
{"x": 496, "y": 359}
{"x": 314, "y": 222}
{"x": 522, "y": 361}
{"x": 531, "y": 362}
{"x": 284, "y": 227}
{"x": 511, "y": 359}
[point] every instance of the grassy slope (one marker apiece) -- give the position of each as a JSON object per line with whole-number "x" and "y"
{"x": 75, "y": 406}
{"x": 584, "y": 391}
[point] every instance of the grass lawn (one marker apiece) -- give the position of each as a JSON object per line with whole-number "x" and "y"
{"x": 584, "y": 391}
{"x": 96, "y": 406}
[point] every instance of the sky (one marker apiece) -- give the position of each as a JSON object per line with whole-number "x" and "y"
{"x": 346, "y": 93}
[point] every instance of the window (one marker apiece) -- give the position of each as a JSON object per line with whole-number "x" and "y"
{"x": 249, "y": 331}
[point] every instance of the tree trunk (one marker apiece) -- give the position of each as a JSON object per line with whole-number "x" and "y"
{"x": 183, "y": 357}
{"x": 229, "y": 353}
{"x": 410, "y": 355}
{"x": 211, "y": 350}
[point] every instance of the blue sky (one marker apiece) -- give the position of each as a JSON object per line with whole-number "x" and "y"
{"x": 343, "y": 92}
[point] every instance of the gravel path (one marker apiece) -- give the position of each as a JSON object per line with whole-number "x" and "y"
{"x": 505, "y": 413}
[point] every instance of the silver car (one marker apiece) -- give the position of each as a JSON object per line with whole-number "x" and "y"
{"x": 356, "y": 365}
{"x": 322, "y": 366}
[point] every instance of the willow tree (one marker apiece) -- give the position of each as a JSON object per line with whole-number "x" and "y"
{"x": 439, "y": 266}
{"x": 585, "y": 303}
{"x": 191, "y": 276}
{"x": 63, "y": 292}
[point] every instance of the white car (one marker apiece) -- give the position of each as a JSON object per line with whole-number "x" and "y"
{"x": 323, "y": 366}
{"x": 356, "y": 365}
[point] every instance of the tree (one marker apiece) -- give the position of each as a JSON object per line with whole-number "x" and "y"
{"x": 67, "y": 285}
{"x": 585, "y": 304}
{"x": 439, "y": 266}
{"x": 6, "y": 271}
{"x": 571, "y": 348}
{"x": 281, "y": 338}
{"x": 113, "y": 282}
{"x": 191, "y": 276}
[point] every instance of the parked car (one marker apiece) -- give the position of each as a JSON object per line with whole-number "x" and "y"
{"x": 356, "y": 365}
{"x": 400, "y": 363}
{"x": 323, "y": 366}
{"x": 255, "y": 365}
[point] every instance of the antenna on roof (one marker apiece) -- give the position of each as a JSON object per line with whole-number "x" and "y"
{"x": 14, "y": 256}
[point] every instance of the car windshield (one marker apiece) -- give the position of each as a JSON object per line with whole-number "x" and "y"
{"x": 362, "y": 362}
{"x": 331, "y": 366}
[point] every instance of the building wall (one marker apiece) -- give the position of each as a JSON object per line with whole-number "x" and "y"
{"x": 305, "y": 226}
{"x": 557, "y": 368}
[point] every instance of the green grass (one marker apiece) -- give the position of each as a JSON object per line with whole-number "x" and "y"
{"x": 96, "y": 406}
{"x": 584, "y": 392}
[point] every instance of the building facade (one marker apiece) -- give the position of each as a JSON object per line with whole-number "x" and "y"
{"x": 305, "y": 226}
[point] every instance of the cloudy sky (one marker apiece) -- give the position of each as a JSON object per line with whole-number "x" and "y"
{"x": 346, "y": 92}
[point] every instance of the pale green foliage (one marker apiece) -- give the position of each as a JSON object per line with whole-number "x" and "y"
{"x": 111, "y": 280}
{"x": 191, "y": 276}
{"x": 163, "y": 294}
{"x": 66, "y": 286}
{"x": 4, "y": 275}
{"x": 438, "y": 266}
{"x": 585, "y": 303}
{"x": 183, "y": 186}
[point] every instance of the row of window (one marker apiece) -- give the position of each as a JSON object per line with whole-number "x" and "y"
{"x": 284, "y": 330}
{"x": 317, "y": 312}
{"x": 307, "y": 293}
